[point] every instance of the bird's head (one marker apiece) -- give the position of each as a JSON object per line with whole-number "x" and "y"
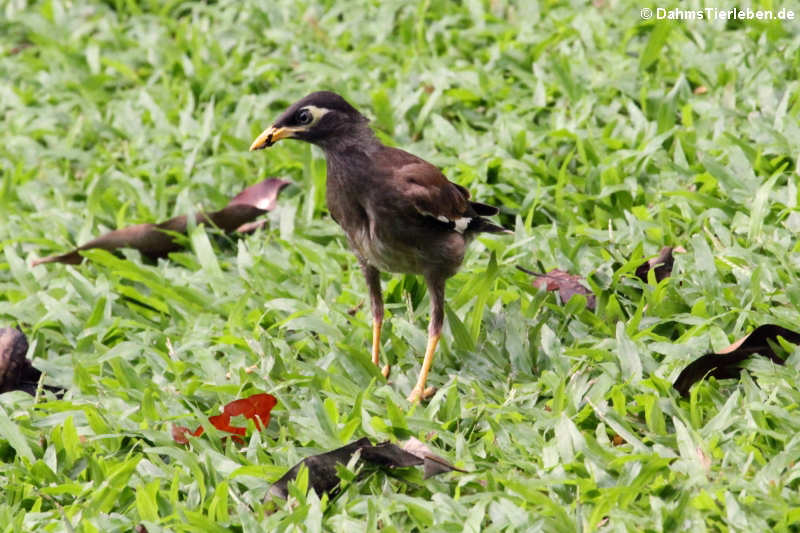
{"x": 319, "y": 118}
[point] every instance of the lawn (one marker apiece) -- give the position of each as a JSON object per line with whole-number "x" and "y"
{"x": 602, "y": 136}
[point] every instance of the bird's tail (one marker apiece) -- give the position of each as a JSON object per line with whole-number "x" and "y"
{"x": 478, "y": 224}
{"x": 482, "y": 225}
{"x": 484, "y": 210}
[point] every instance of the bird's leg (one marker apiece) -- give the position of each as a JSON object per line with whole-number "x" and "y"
{"x": 436, "y": 291}
{"x": 372, "y": 275}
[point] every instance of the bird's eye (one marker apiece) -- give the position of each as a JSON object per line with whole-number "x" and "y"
{"x": 304, "y": 116}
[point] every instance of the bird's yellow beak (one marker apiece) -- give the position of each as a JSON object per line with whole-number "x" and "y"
{"x": 270, "y": 136}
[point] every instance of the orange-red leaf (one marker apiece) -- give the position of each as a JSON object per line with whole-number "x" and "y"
{"x": 256, "y": 407}
{"x": 179, "y": 433}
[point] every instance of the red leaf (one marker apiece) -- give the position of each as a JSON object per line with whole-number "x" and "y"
{"x": 256, "y": 407}
{"x": 179, "y": 433}
{"x": 222, "y": 423}
{"x": 262, "y": 406}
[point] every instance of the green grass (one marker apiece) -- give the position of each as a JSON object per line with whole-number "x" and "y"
{"x": 604, "y": 138}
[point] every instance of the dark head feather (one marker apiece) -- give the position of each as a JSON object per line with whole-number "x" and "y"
{"x": 342, "y": 125}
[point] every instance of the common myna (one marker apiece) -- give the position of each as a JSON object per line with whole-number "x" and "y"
{"x": 400, "y": 213}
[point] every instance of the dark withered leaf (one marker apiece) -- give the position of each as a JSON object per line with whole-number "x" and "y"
{"x": 567, "y": 285}
{"x": 391, "y": 455}
{"x": 13, "y": 365}
{"x": 17, "y": 372}
{"x": 433, "y": 463}
{"x": 322, "y": 475}
{"x": 661, "y": 265}
{"x": 726, "y": 364}
{"x": 157, "y": 240}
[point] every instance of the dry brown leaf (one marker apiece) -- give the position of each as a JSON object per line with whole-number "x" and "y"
{"x": 705, "y": 460}
{"x": 17, "y": 372}
{"x": 323, "y": 477}
{"x": 155, "y": 240}
{"x": 567, "y": 285}
{"x": 726, "y": 363}
{"x": 661, "y": 265}
{"x": 433, "y": 464}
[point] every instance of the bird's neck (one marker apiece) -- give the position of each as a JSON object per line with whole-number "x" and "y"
{"x": 357, "y": 137}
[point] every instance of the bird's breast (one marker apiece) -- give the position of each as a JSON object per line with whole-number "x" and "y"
{"x": 383, "y": 229}
{"x": 385, "y": 253}
{"x": 398, "y": 245}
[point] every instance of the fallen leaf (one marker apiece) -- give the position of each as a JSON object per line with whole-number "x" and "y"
{"x": 389, "y": 455}
{"x": 726, "y": 363}
{"x": 256, "y": 408}
{"x": 179, "y": 433}
{"x": 433, "y": 464}
{"x": 567, "y": 285}
{"x": 13, "y": 365}
{"x": 705, "y": 460}
{"x": 156, "y": 240}
{"x": 19, "y": 48}
{"x": 661, "y": 265}
{"x": 252, "y": 227}
{"x": 322, "y": 475}
{"x": 353, "y": 310}
{"x": 17, "y": 372}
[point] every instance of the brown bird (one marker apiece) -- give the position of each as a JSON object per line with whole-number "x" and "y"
{"x": 399, "y": 212}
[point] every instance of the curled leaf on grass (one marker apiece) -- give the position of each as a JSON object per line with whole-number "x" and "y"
{"x": 323, "y": 477}
{"x": 661, "y": 264}
{"x": 256, "y": 408}
{"x": 157, "y": 240}
{"x": 567, "y": 285}
{"x": 727, "y": 363}
{"x": 17, "y": 372}
{"x": 432, "y": 463}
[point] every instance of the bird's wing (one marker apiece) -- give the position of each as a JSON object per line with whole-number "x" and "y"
{"x": 422, "y": 186}
{"x": 431, "y": 194}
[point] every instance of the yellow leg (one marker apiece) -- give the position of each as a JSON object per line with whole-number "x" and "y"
{"x": 373, "y": 279}
{"x": 376, "y": 341}
{"x": 419, "y": 391}
{"x": 376, "y": 347}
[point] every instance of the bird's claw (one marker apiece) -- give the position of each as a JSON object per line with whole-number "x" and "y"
{"x": 418, "y": 394}
{"x": 386, "y": 370}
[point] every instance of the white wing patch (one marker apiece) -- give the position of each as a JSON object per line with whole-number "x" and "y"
{"x": 461, "y": 224}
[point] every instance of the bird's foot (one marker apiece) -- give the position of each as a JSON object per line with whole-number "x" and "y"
{"x": 418, "y": 394}
{"x": 386, "y": 370}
